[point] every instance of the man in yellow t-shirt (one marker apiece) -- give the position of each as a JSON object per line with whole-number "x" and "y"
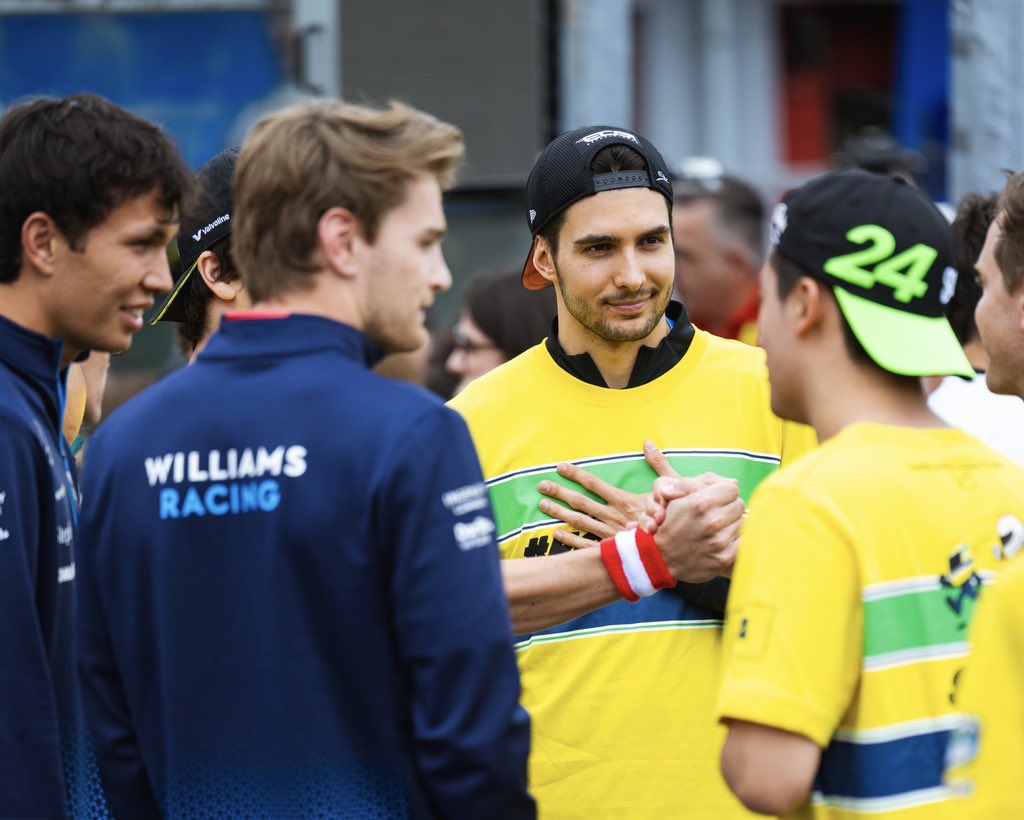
{"x": 991, "y": 747}
{"x": 860, "y": 565}
{"x": 619, "y": 670}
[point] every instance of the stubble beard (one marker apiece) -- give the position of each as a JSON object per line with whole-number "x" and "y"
{"x": 591, "y": 318}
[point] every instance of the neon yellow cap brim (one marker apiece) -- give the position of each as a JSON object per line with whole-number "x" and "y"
{"x": 904, "y": 343}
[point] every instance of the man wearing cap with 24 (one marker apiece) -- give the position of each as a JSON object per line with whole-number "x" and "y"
{"x": 619, "y": 670}
{"x": 860, "y": 566}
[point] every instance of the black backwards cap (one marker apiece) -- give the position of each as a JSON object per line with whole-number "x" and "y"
{"x": 201, "y": 227}
{"x": 561, "y": 176}
{"x": 887, "y": 252}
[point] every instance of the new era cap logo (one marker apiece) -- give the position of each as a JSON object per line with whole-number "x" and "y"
{"x": 660, "y": 176}
{"x": 949, "y": 277}
{"x": 597, "y": 136}
{"x": 780, "y": 219}
{"x": 533, "y": 215}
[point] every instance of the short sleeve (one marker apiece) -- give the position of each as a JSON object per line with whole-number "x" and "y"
{"x": 794, "y": 622}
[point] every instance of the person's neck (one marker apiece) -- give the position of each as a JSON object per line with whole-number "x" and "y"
{"x": 842, "y": 394}
{"x": 976, "y": 354}
{"x": 326, "y": 298}
{"x": 614, "y": 360}
{"x": 214, "y": 313}
{"x": 22, "y": 306}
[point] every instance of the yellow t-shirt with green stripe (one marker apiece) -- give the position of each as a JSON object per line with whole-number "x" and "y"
{"x": 992, "y": 697}
{"x": 848, "y": 617}
{"x": 621, "y": 700}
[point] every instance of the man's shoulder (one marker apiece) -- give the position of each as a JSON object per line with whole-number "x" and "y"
{"x": 817, "y": 471}
{"x": 18, "y": 417}
{"x": 13, "y": 390}
{"x": 521, "y": 376}
{"x": 742, "y": 359}
{"x": 358, "y": 404}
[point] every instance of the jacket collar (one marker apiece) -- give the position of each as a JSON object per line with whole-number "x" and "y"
{"x": 288, "y": 334}
{"x": 36, "y": 359}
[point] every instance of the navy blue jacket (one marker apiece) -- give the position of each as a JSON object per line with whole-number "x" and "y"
{"x": 291, "y": 600}
{"x": 39, "y": 707}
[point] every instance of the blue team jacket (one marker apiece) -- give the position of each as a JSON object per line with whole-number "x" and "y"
{"x": 39, "y": 707}
{"x": 290, "y": 596}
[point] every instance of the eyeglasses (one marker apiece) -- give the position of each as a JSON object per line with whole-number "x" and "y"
{"x": 461, "y": 342}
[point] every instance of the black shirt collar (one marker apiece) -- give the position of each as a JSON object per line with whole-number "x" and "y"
{"x": 651, "y": 362}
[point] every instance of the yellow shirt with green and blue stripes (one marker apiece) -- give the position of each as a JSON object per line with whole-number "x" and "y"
{"x": 621, "y": 699}
{"x": 848, "y": 619}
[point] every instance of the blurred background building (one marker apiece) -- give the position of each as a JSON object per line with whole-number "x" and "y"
{"x": 775, "y": 90}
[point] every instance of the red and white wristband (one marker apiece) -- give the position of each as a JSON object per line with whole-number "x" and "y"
{"x": 635, "y": 564}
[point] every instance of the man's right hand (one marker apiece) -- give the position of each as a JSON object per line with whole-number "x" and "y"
{"x": 696, "y": 524}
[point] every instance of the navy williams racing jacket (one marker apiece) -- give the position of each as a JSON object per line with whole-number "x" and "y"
{"x": 41, "y": 756}
{"x": 291, "y": 602}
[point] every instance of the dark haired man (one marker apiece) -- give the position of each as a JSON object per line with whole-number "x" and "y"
{"x": 847, "y": 619}
{"x": 718, "y": 224}
{"x": 90, "y": 196}
{"x": 618, "y": 676}
{"x": 208, "y": 285}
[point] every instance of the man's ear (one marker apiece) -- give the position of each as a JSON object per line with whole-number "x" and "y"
{"x": 544, "y": 259}
{"x": 208, "y": 266}
{"x": 339, "y": 236}
{"x": 40, "y": 237}
{"x": 806, "y": 304}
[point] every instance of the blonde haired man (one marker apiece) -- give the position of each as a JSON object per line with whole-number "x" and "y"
{"x": 302, "y": 545}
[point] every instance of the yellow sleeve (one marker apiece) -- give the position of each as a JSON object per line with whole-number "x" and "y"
{"x": 992, "y": 697}
{"x": 794, "y": 622}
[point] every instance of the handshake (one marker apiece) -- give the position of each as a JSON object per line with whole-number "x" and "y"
{"x": 694, "y": 523}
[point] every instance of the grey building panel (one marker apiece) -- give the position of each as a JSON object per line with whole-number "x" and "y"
{"x": 479, "y": 65}
{"x": 988, "y": 74}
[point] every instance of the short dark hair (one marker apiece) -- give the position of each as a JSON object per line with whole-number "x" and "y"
{"x": 607, "y": 161}
{"x": 197, "y": 296}
{"x": 513, "y": 317}
{"x": 974, "y": 214}
{"x": 739, "y": 210}
{"x": 77, "y": 159}
{"x": 1010, "y": 249}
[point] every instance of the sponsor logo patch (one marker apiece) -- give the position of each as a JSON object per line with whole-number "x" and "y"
{"x": 597, "y": 136}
